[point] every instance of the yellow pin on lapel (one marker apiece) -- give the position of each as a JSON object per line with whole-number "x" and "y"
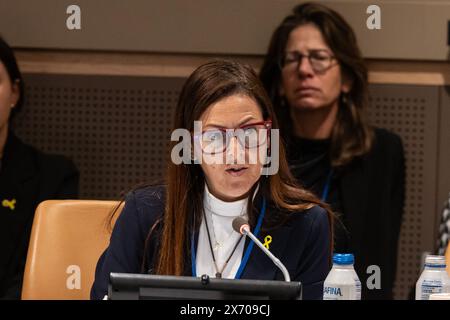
{"x": 267, "y": 241}
{"x": 9, "y": 203}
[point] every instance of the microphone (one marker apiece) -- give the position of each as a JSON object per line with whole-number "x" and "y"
{"x": 240, "y": 225}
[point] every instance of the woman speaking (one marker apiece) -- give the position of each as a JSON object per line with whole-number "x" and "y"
{"x": 184, "y": 227}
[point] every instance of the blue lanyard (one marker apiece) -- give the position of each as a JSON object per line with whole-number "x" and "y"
{"x": 247, "y": 252}
{"x": 326, "y": 188}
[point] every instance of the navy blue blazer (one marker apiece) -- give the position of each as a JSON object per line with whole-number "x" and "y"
{"x": 302, "y": 243}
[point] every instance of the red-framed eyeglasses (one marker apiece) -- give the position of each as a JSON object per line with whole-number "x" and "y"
{"x": 250, "y": 136}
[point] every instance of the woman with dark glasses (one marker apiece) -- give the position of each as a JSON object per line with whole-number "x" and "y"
{"x": 185, "y": 226}
{"x": 317, "y": 80}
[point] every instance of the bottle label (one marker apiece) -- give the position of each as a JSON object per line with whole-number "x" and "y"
{"x": 430, "y": 286}
{"x": 335, "y": 292}
{"x": 342, "y": 292}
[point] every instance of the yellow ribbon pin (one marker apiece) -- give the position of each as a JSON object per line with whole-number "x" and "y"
{"x": 9, "y": 203}
{"x": 267, "y": 241}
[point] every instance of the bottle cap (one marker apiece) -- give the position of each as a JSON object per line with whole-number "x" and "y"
{"x": 343, "y": 258}
{"x": 435, "y": 261}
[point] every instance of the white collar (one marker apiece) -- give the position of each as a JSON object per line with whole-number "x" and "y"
{"x": 223, "y": 208}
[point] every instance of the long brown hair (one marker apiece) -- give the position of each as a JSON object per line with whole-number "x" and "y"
{"x": 210, "y": 83}
{"x": 351, "y": 136}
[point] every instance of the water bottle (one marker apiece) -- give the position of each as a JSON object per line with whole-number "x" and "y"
{"x": 342, "y": 283}
{"x": 434, "y": 278}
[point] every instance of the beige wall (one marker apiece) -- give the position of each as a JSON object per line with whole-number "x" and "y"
{"x": 415, "y": 30}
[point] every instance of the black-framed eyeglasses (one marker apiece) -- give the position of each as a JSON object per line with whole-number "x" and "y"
{"x": 249, "y": 136}
{"x": 320, "y": 60}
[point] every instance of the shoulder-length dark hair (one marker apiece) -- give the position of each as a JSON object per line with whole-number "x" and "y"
{"x": 208, "y": 84}
{"x": 10, "y": 63}
{"x": 351, "y": 135}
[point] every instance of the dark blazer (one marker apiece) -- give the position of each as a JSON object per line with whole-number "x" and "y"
{"x": 302, "y": 244}
{"x": 28, "y": 177}
{"x": 372, "y": 191}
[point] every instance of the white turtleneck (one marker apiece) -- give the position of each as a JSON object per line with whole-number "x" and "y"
{"x": 220, "y": 215}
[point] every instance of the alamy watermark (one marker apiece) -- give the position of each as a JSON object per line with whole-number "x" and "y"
{"x": 73, "y": 21}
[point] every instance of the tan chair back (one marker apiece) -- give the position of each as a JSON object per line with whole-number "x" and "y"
{"x": 67, "y": 239}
